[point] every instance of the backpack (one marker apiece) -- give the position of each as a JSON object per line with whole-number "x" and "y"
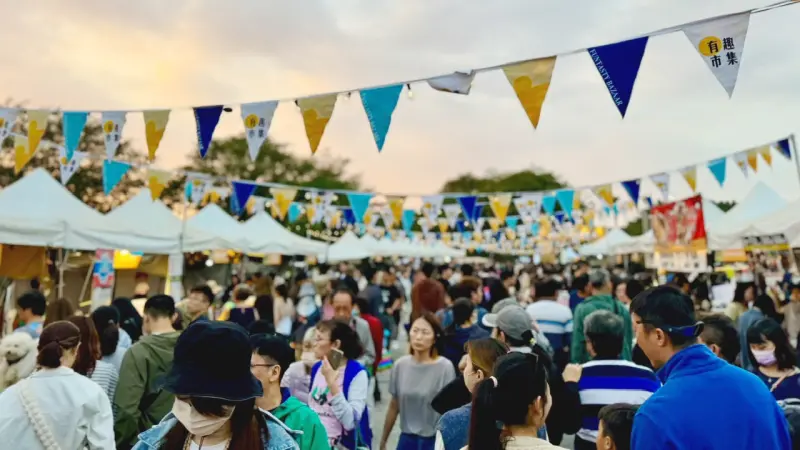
{"x": 361, "y": 437}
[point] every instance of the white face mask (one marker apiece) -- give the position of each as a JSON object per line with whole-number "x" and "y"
{"x": 308, "y": 358}
{"x": 196, "y": 423}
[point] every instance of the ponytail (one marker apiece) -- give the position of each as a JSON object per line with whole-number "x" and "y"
{"x": 55, "y": 338}
{"x": 484, "y": 430}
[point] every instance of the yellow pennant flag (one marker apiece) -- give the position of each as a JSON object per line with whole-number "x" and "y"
{"x": 273, "y": 209}
{"x": 499, "y": 205}
{"x": 367, "y": 217}
{"x": 766, "y": 153}
{"x": 335, "y": 219}
{"x": 545, "y": 227}
{"x": 37, "y": 126}
{"x": 752, "y": 159}
{"x": 494, "y": 224}
{"x": 310, "y": 212}
{"x": 510, "y": 234}
{"x": 446, "y": 237}
{"x": 477, "y": 237}
{"x": 604, "y": 192}
{"x": 443, "y": 225}
{"x": 690, "y": 175}
{"x": 396, "y": 205}
{"x": 155, "y": 123}
{"x": 22, "y": 153}
{"x": 282, "y": 199}
{"x": 317, "y": 112}
{"x": 530, "y": 81}
{"x": 157, "y": 181}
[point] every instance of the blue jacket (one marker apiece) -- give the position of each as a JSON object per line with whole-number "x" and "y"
{"x": 279, "y": 434}
{"x": 708, "y": 404}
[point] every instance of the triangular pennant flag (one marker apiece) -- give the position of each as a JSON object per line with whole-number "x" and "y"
{"x": 282, "y": 199}
{"x": 531, "y": 81}
{"x": 73, "y": 123}
{"x": 718, "y": 168}
{"x": 396, "y": 206}
{"x": 468, "y": 203}
{"x": 257, "y": 118}
{"x": 155, "y": 123}
{"x": 22, "y": 153}
{"x": 207, "y": 118}
{"x": 113, "y": 171}
{"x": 311, "y": 213}
{"x": 68, "y": 168}
{"x": 113, "y": 123}
{"x": 197, "y": 184}
{"x": 256, "y": 205}
{"x": 741, "y": 161}
{"x": 785, "y": 149}
{"x": 632, "y": 188}
{"x": 387, "y": 215}
{"x": 604, "y": 192}
{"x": 242, "y": 190}
{"x": 752, "y": 159}
{"x": 431, "y": 205}
{"x": 690, "y": 175}
{"x": 766, "y": 152}
{"x": 479, "y": 223}
{"x": 512, "y": 221}
{"x": 359, "y": 202}
{"x": 455, "y": 83}
{"x": 379, "y": 104}
{"x": 451, "y": 212}
{"x": 407, "y": 220}
{"x": 317, "y": 112}
{"x": 661, "y": 180}
{"x": 494, "y": 224}
{"x": 37, "y": 127}
{"x": 566, "y": 198}
{"x": 443, "y": 225}
{"x": 499, "y": 204}
{"x": 294, "y": 212}
{"x": 618, "y": 65}
{"x": 8, "y": 117}
{"x": 720, "y": 42}
{"x": 157, "y": 181}
{"x": 477, "y": 212}
{"x": 549, "y": 204}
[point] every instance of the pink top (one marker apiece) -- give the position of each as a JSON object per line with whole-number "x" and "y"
{"x": 320, "y": 402}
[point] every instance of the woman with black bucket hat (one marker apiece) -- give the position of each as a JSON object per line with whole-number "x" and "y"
{"x": 215, "y": 394}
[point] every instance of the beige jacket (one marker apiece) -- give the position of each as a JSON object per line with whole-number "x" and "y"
{"x": 527, "y": 443}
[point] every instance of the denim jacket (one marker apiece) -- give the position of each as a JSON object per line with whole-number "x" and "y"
{"x": 280, "y": 436}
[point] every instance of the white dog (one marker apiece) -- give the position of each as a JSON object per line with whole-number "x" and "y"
{"x": 17, "y": 358}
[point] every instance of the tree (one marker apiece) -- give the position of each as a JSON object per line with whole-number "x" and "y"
{"x": 522, "y": 181}
{"x": 725, "y": 206}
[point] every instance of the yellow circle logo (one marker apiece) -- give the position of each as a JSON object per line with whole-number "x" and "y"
{"x": 63, "y": 160}
{"x": 2, "y": 122}
{"x": 251, "y": 121}
{"x": 710, "y": 46}
{"x": 108, "y": 127}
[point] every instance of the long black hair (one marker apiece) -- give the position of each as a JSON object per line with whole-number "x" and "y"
{"x": 770, "y": 330}
{"x": 504, "y": 399}
{"x": 765, "y": 304}
{"x": 129, "y": 318}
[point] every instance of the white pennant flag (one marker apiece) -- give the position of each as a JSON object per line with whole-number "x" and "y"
{"x": 320, "y": 201}
{"x": 373, "y": 218}
{"x": 424, "y": 225}
{"x": 522, "y": 230}
{"x": 431, "y": 205}
{"x": 8, "y": 117}
{"x": 528, "y": 205}
{"x": 388, "y": 216}
{"x": 113, "y": 123}
{"x": 68, "y": 168}
{"x": 720, "y": 42}
{"x": 257, "y": 119}
{"x": 455, "y": 83}
{"x": 741, "y": 161}
{"x": 661, "y": 180}
{"x": 479, "y": 222}
{"x": 451, "y": 212}
{"x": 259, "y": 204}
{"x": 332, "y": 216}
{"x": 197, "y": 185}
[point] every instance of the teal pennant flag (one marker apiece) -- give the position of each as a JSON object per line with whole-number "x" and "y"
{"x": 379, "y": 104}
{"x": 113, "y": 171}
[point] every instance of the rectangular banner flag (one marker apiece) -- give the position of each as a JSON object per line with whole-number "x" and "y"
{"x": 767, "y": 253}
{"x": 679, "y": 226}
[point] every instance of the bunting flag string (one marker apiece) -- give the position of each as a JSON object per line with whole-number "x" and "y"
{"x": 113, "y": 123}
{"x": 73, "y": 122}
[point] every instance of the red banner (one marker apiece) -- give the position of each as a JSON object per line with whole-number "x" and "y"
{"x": 679, "y": 226}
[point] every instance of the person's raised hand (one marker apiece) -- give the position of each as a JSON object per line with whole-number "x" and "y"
{"x": 572, "y": 373}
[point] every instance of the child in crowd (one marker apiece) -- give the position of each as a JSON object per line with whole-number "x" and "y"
{"x": 616, "y": 424}
{"x": 298, "y": 376}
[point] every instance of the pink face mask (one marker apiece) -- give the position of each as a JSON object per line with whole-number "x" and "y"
{"x": 764, "y": 357}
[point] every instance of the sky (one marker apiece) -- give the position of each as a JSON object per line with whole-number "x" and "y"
{"x": 95, "y": 55}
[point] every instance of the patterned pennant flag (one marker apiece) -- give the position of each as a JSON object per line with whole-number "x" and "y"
{"x": 605, "y": 193}
{"x": 294, "y": 212}
{"x": 319, "y": 203}
{"x": 690, "y": 175}
{"x": 467, "y": 204}
{"x": 317, "y": 112}
{"x": 73, "y": 123}
{"x": 455, "y": 83}
{"x": 311, "y": 213}
{"x": 379, "y": 104}
{"x": 785, "y": 149}
{"x": 752, "y": 159}
{"x": 494, "y": 224}
{"x": 242, "y": 191}
{"x": 197, "y": 184}
{"x": 766, "y": 152}
{"x": 113, "y": 171}
{"x": 8, "y": 117}
{"x": 207, "y": 118}
{"x": 431, "y": 205}
{"x": 22, "y": 153}
{"x": 333, "y": 217}
{"x": 282, "y": 199}
{"x": 661, "y": 180}
{"x": 359, "y": 202}
{"x": 113, "y": 123}
{"x": 424, "y": 225}
{"x": 155, "y": 123}
{"x": 549, "y": 204}
{"x": 720, "y": 42}
{"x": 157, "y": 181}
{"x": 632, "y": 188}
{"x": 407, "y": 220}
{"x": 451, "y": 212}
{"x": 371, "y": 218}
{"x": 531, "y": 205}
{"x": 618, "y": 65}
{"x": 479, "y": 223}
{"x": 499, "y": 204}
{"x": 257, "y": 118}
{"x": 741, "y": 161}
{"x": 37, "y": 126}
{"x": 68, "y": 168}
{"x": 566, "y": 198}
{"x": 256, "y": 205}
{"x": 718, "y": 167}
{"x": 387, "y": 215}
{"x": 530, "y": 81}
{"x": 443, "y": 225}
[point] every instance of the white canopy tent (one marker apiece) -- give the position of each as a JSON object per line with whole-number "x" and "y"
{"x": 786, "y": 220}
{"x": 213, "y": 219}
{"x": 268, "y": 236}
{"x": 606, "y": 244}
{"x": 39, "y": 211}
{"x": 348, "y": 248}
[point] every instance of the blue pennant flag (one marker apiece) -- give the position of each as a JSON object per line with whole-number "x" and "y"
{"x": 294, "y": 212}
{"x": 408, "y": 220}
{"x": 619, "y": 64}
{"x": 348, "y": 216}
{"x": 460, "y": 225}
{"x": 566, "y": 198}
{"x": 379, "y": 104}
{"x": 632, "y": 188}
{"x": 477, "y": 211}
{"x": 549, "y": 204}
{"x": 242, "y": 190}
{"x": 467, "y": 235}
{"x": 512, "y": 221}
{"x": 560, "y": 216}
{"x": 784, "y": 148}
{"x": 468, "y": 203}
{"x": 113, "y": 171}
{"x": 718, "y": 168}
{"x": 359, "y": 202}
{"x": 535, "y": 228}
{"x": 73, "y": 123}
{"x": 207, "y": 118}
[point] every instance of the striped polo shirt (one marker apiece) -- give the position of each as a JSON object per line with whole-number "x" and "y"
{"x": 554, "y": 320}
{"x": 604, "y": 382}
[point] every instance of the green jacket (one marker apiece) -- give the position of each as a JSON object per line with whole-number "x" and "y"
{"x": 299, "y": 417}
{"x": 139, "y": 402}
{"x": 579, "y": 353}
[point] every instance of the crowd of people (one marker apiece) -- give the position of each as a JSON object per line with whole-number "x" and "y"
{"x": 481, "y": 358}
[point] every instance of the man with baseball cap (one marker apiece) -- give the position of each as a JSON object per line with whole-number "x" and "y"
{"x": 512, "y": 326}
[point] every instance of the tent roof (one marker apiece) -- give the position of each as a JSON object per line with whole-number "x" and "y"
{"x": 268, "y": 236}
{"x": 605, "y": 244}
{"x": 213, "y": 219}
{"x": 348, "y": 247}
{"x": 760, "y": 202}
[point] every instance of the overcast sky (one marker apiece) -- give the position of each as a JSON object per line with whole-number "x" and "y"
{"x": 95, "y": 54}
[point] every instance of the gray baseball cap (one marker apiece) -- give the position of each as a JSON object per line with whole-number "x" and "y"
{"x": 513, "y": 320}
{"x": 490, "y": 319}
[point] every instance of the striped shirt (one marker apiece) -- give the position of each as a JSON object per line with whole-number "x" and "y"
{"x": 554, "y": 320}
{"x": 105, "y": 375}
{"x": 604, "y": 382}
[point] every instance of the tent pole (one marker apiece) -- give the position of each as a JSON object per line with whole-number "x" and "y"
{"x": 796, "y": 156}
{"x": 61, "y": 265}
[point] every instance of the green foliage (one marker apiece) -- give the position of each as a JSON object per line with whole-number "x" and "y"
{"x": 522, "y": 181}
{"x": 725, "y": 206}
